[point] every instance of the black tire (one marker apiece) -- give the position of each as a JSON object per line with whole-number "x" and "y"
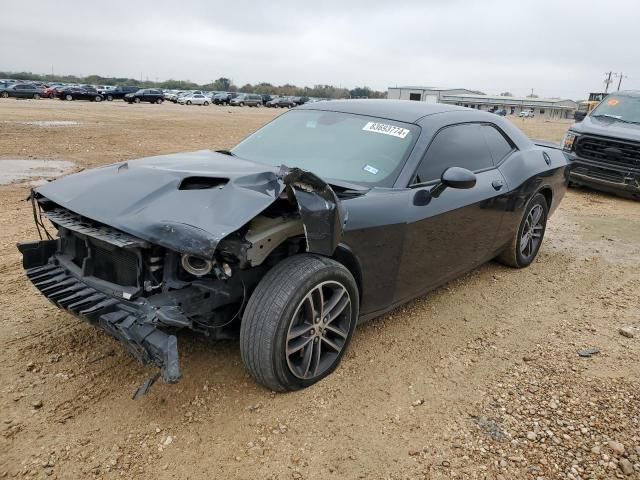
{"x": 269, "y": 316}
{"x": 137, "y": 99}
{"x": 36, "y": 96}
{"x": 4, "y": 95}
{"x": 513, "y": 255}
{"x": 109, "y": 98}
{"x": 206, "y": 104}
{"x": 159, "y": 101}
{"x": 98, "y": 98}
{"x": 68, "y": 97}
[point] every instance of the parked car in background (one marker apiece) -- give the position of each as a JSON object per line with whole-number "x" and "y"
{"x": 119, "y": 92}
{"x": 150, "y": 95}
{"x": 248, "y": 99}
{"x": 79, "y": 93}
{"x": 51, "y": 91}
{"x": 273, "y": 103}
{"x": 286, "y": 102}
{"x": 171, "y": 95}
{"x": 22, "y": 90}
{"x": 224, "y": 98}
{"x": 526, "y": 114}
{"x": 194, "y": 99}
{"x": 604, "y": 148}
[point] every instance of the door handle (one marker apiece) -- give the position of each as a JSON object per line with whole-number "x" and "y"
{"x": 497, "y": 184}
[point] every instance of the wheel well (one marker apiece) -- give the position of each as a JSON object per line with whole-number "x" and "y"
{"x": 548, "y": 195}
{"x": 346, "y": 257}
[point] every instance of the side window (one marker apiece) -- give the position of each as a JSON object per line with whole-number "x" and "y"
{"x": 461, "y": 145}
{"x": 499, "y": 146}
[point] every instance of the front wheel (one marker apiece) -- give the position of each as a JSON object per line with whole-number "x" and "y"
{"x": 68, "y": 97}
{"x": 4, "y": 95}
{"x": 298, "y": 322}
{"x": 109, "y": 98}
{"x": 526, "y": 242}
{"x": 137, "y": 100}
{"x": 159, "y": 101}
{"x": 206, "y": 104}
{"x": 98, "y": 98}
{"x": 188, "y": 102}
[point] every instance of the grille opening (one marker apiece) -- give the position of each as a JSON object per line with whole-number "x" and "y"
{"x": 202, "y": 183}
{"x": 79, "y": 250}
{"x": 118, "y": 266}
{"x": 610, "y": 151}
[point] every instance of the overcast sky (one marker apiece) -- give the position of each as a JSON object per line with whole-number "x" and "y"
{"x": 557, "y": 47}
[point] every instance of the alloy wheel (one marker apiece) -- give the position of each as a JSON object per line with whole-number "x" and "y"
{"x": 532, "y": 231}
{"x": 319, "y": 330}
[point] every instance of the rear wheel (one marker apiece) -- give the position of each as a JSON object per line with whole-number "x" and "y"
{"x": 526, "y": 242}
{"x": 4, "y": 95}
{"x": 98, "y": 98}
{"x": 188, "y": 102}
{"x": 298, "y": 322}
{"x": 206, "y": 104}
{"x": 68, "y": 97}
{"x": 36, "y": 96}
{"x": 159, "y": 101}
{"x": 109, "y": 98}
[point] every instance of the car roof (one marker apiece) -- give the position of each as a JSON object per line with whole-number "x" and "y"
{"x": 399, "y": 110}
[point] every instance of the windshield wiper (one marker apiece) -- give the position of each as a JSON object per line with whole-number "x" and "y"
{"x": 613, "y": 117}
{"x": 347, "y": 186}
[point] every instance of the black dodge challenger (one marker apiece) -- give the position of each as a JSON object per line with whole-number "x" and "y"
{"x": 332, "y": 214}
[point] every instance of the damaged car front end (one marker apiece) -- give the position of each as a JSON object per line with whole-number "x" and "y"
{"x": 163, "y": 258}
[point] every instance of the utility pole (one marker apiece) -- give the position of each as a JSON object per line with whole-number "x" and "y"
{"x": 620, "y": 76}
{"x": 607, "y": 81}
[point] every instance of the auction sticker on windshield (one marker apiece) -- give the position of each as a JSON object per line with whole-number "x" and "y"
{"x": 386, "y": 129}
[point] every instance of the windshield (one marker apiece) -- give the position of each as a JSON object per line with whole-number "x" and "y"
{"x": 620, "y": 107}
{"x": 354, "y": 148}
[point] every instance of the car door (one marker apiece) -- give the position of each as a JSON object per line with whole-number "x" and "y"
{"x": 456, "y": 231}
{"x": 21, "y": 91}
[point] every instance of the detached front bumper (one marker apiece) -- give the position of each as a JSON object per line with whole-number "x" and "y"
{"x": 612, "y": 179}
{"x": 133, "y": 326}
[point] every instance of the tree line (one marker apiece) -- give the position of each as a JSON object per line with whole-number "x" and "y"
{"x": 222, "y": 84}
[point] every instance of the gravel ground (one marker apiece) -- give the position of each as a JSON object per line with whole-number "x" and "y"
{"x": 480, "y": 379}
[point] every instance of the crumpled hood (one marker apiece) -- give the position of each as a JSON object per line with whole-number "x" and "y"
{"x": 144, "y": 198}
{"x": 608, "y": 128}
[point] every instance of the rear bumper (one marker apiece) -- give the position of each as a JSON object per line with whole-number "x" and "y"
{"x": 604, "y": 177}
{"x": 133, "y": 325}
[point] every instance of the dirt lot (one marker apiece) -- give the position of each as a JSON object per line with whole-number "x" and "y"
{"x": 479, "y": 379}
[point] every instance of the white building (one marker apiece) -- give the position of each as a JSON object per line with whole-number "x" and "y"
{"x": 425, "y": 94}
{"x": 548, "y": 108}
{"x": 542, "y": 107}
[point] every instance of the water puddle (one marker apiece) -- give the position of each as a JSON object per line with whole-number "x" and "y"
{"x": 49, "y": 123}
{"x": 14, "y": 171}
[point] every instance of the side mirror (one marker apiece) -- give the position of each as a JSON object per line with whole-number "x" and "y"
{"x": 579, "y": 116}
{"x": 454, "y": 177}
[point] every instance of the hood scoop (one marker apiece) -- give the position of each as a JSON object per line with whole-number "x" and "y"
{"x": 202, "y": 183}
